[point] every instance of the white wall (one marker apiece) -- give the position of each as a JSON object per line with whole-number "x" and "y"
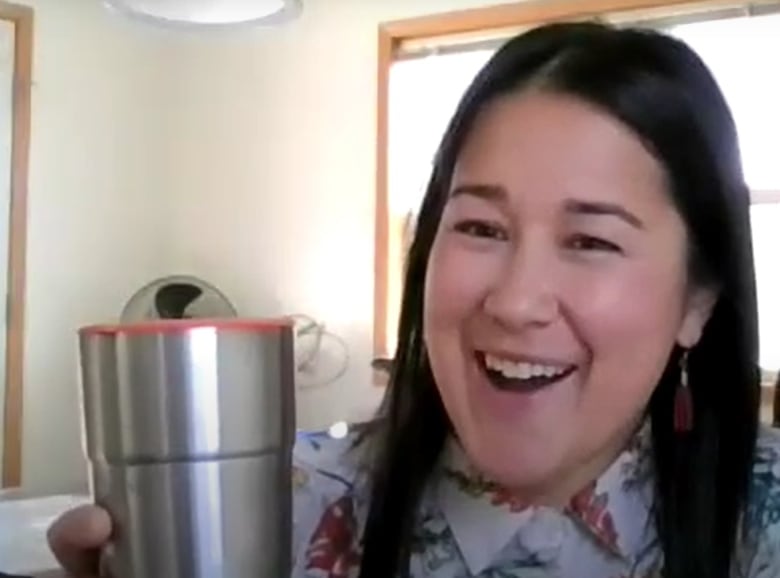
{"x": 276, "y": 129}
{"x": 95, "y": 214}
{"x": 247, "y": 159}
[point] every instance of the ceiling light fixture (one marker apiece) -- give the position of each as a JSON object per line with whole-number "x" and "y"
{"x": 208, "y": 13}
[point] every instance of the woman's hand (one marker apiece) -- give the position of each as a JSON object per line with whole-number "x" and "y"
{"x": 77, "y": 537}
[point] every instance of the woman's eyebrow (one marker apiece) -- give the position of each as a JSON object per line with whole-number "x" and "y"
{"x": 495, "y": 193}
{"x": 598, "y": 208}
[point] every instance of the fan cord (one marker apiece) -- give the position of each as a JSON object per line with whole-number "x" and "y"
{"x": 311, "y": 326}
{"x": 342, "y": 370}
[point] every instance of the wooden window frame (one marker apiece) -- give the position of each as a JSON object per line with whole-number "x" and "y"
{"x": 22, "y": 19}
{"x": 393, "y": 35}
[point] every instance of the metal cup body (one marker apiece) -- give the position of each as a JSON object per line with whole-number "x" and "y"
{"x": 189, "y": 433}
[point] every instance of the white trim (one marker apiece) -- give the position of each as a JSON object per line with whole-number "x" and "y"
{"x": 760, "y": 197}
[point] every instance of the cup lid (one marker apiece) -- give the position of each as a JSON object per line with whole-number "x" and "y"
{"x": 270, "y": 325}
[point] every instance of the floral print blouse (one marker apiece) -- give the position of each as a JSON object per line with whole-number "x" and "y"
{"x": 468, "y": 527}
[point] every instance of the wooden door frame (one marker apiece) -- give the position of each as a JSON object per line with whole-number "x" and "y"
{"x": 22, "y": 18}
{"x": 392, "y": 35}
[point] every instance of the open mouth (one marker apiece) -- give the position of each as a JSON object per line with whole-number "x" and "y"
{"x": 521, "y": 376}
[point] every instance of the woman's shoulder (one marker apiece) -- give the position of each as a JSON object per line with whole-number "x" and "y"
{"x": 328, "y": 481}
{"x": 759, "y": 556}
{"x": 764, "y": 498}
{"x": 324, "y": 456}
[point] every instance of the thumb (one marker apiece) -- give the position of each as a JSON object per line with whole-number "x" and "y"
{"x": 77, "y": 537}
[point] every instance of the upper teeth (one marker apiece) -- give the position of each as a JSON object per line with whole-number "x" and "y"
{"x": 522, "y": 370}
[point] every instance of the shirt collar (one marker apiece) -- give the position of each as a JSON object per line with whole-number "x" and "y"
{"x": 484, "y": 517}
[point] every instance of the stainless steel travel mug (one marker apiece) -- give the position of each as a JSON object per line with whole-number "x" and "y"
{"x": 189, "y": 430}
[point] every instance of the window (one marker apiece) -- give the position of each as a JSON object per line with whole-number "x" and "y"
{"x": 421, "y": 106}
{"x": 733, "y": 49}
{"x": 766, "y": 242}
{"x": 425, "y": 90}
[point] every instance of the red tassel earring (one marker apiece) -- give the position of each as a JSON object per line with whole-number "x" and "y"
{"x": 683, "y": 400}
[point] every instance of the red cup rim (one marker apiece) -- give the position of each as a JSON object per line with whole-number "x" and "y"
{"x": 182, "y": 325}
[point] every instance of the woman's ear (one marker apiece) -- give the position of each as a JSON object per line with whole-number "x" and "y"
{"x": 699, "y": 306}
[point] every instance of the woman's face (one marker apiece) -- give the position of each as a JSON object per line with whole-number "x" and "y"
{"x": 556, "y": 289}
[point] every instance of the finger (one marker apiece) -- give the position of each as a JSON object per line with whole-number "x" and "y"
{"x": 76, "y": 539}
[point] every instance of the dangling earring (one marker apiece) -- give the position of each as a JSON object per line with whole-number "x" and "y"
{"x": 683, "y": 400}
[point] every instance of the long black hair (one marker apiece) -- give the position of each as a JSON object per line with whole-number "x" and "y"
{"x": 661, "y": 90}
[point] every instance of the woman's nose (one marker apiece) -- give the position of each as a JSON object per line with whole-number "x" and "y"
{"x": 524, "y": 296}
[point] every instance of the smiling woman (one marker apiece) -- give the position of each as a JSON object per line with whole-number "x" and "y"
{"x": 581, "y": 284}
{"x": 559, "y": 257}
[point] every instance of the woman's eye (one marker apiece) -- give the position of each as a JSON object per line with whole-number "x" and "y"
{"x": 481, "y": 229}
{"x": 588, "y": 243}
